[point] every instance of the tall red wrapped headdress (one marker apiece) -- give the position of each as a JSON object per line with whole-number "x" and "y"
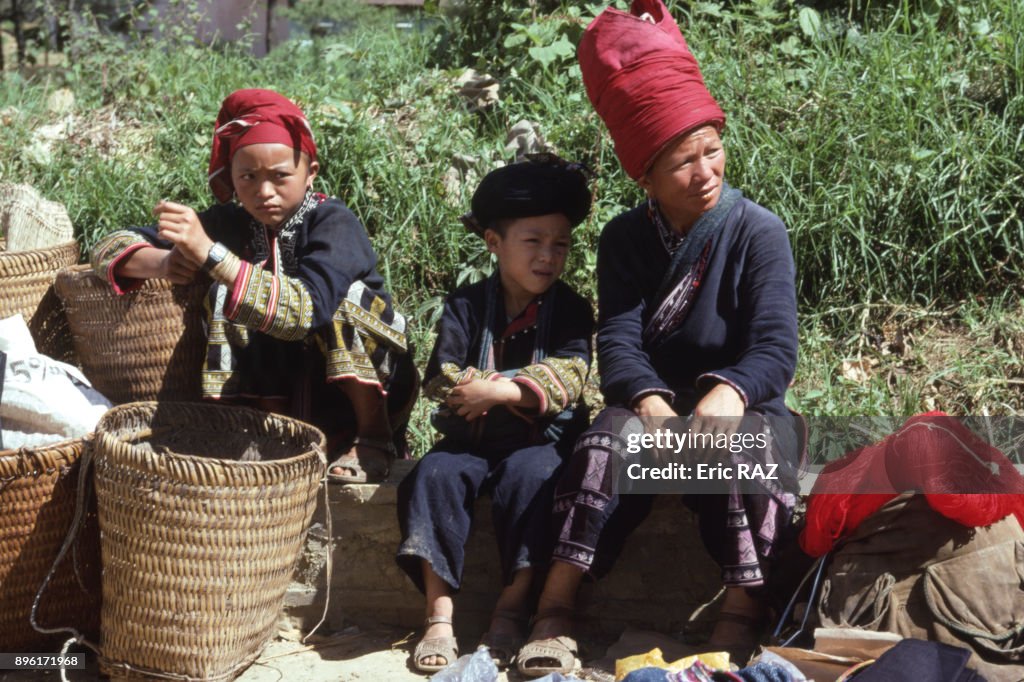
{"x": 254, "y": 116}
{"x": 644, "y": 82}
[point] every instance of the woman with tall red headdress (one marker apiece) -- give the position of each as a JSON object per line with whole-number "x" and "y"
{"x": 299, "y": 320}
{"x": 697, "y": 321}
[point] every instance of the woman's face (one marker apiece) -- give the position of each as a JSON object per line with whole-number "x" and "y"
{"x": 686, "y": 177}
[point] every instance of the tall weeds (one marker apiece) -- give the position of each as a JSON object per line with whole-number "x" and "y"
{"x": 888, "y": 137}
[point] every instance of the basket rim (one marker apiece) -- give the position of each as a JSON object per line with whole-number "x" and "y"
{"x": 9, "y": 458}
{"x": 69, "y": 277}
{"x": 60, "y": 444}
{"x": 319, "y": 447}
{"x": 10, "y": 255}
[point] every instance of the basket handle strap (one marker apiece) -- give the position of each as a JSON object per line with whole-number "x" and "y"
{"x": 328, "y": 546}
{"x": 76, "y": 525}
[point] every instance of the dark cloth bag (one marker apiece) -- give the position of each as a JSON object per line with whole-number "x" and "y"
{"x": 925, "y": 660}
{"x": 911, "y": 571}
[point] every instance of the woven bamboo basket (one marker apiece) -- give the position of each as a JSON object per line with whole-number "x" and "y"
{"x": 37, "y": 506}
{"x": 147, "y": 344}
{"x": 27, "y": 281}
{"x": 198, "y": 548}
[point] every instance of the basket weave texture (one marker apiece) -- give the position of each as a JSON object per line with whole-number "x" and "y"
{"x": 31, "y": 222}
{"x": 199, "y": 548}
{"x": 37, "y": 506}
{"x": 27, "y": 280}
{"x": 147, "y": 344}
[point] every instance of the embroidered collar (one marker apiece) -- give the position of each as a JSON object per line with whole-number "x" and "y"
{"x": 670, "y": 239}
{"x": 284, "y": 244}
{"x": 526, "y": 319}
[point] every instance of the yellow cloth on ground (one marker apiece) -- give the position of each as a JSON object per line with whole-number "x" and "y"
{"x": 719, "y": 660}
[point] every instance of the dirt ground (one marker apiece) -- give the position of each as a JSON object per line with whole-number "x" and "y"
{"x": 349, "y": 656}
{"x": 362, "y": 656}
{"x": 352, "y": 656}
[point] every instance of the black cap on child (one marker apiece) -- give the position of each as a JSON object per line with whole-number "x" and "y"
{"x": 542, "y": 184}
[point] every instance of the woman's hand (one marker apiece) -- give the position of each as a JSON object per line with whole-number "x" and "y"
{"x": 180, "y": 225}
{"x": 653, "y": 405}
{"x": 176, "y": 267}
{"x": 654, "y": 411}
{"x": 718, "y": 412}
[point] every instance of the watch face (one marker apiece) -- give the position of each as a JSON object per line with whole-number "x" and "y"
{"x": 217, "y": 254}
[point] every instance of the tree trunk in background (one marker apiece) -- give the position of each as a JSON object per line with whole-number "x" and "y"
{"x": 268, "y": 37}
{"x": 19, "y": 37}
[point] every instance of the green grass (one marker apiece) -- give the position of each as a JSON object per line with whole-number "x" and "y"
{"x": 889, "y": 141}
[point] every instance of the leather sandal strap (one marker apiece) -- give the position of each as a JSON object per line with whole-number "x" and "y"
{"x": 553, "y": 612}
{"x": 381, "y": 444}
{"x": 754, "y": 622}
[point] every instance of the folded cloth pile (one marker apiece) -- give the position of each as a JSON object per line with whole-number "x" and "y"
{"x": 42, "y": 401}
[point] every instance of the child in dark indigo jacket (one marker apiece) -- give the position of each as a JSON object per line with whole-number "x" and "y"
{"x": 509, "y": 366}
{"x": 299, "y": 321}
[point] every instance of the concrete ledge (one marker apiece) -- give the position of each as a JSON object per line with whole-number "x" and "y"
{"x": 662, "y": 578}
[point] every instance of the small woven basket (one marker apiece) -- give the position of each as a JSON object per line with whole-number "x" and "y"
{"x": 37, "y": 506}
{"x": 147, "y": 344}
{"x": 27, "y": 281}
{"x": 198, "y": 548}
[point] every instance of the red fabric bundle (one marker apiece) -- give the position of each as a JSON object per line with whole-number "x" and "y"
{"x": 254, "y": 116}
{"x": 961, "y": 476}
{"x": 644, "y": 82}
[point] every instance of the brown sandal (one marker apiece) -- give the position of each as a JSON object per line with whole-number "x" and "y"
{"x": 505, "y": 648}
{"x": 374, "y": 470}
{"x": 444, "y": 647}
{"x": 562, "y": 649}
{"x": 741, "y": 650}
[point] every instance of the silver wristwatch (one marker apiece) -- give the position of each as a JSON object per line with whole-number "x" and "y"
{"x": 218, "y": 252}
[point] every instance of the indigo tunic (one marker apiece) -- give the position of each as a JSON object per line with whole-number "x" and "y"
{"x": 511, "y": 456}
{"x": 740, "y": 328}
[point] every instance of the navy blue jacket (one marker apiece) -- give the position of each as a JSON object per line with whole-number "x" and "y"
{"x": 741, "y": 329}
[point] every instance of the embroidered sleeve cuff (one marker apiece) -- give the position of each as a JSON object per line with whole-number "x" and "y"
{"x": 121, "y": 284}
{"x": 111, "y": 251}
{"x": 531, "y": 385}
{"x": 558, "y": 382}
{"x": 238, "y": 285}
{"x": 278, "y": 306}
{"x": 668, "y": 395}
{"x": 718, "y": 378}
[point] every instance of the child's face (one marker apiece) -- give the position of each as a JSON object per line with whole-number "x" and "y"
{"x": 531, "y": 255}
{"x": 271, "y": 180}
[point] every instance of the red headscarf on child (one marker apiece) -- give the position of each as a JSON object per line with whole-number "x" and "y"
{"x": 643, "y": 82}
{"x": 253, "y": 117}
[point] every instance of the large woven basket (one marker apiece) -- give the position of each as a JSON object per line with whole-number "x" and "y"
{"x": 147, "y": 344}
{"x": 29, "y": 221}
{"x": 37, "y": 505}
{"x": 198, "y": 548}
{"x": 26, "y": 278}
